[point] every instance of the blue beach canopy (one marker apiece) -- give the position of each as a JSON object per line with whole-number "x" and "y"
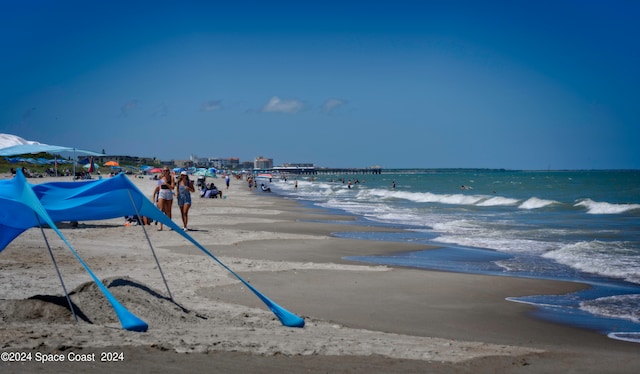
{"x": 26, "y": 206}
{"x": 23, "y": 149}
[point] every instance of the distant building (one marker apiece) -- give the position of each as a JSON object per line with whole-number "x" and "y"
{"x": 228, "y": 163}
{"x": 246, "y": 165}
{"x": 224, "y": 163}
{"x": 133, "y": 160}
{"x": 263, "y": 163}
{"x": 183, "y": 163}
{"x": 130, "y": 160}
{"x": 199, "y": 162}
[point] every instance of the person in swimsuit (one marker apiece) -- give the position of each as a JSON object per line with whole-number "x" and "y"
{"x": 184, "y": 187}
{"x": 165, "y": 194}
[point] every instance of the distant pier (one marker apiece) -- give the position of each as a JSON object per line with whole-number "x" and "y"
{"x": 324, "y": 171}
{"x": 348, "y": 171}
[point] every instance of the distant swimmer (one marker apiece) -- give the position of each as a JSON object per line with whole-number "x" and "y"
{"x": 393, "y": 184}
{"x": 465, "y": 187}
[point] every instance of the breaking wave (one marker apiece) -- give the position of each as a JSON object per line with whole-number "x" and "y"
{"x": 594, "y": 207}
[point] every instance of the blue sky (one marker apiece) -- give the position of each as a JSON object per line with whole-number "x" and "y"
{"x": 487, "y": 84}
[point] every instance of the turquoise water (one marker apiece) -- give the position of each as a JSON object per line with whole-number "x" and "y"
{"x": 571, "y": 225}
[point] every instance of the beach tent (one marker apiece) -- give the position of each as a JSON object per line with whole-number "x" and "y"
{"x": 26, "y": 205}
{"x": 23, "y": 149}
{"x": 12, "y": 145}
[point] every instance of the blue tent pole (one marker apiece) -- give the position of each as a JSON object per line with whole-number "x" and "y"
{"x": 55, "y": 264}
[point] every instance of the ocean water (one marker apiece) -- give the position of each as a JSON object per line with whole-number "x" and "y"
{"x": 581, "y": 226}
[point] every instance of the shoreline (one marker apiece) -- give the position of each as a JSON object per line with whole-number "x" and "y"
{"x": 360, "y": 318}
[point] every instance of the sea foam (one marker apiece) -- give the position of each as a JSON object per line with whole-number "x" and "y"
{"x": 612, "y": 259}
{"x": 498, "y": 201}
{"x": 594, "y": 207}
{"x": 536, "y": 203}
{"x": 618, "y": 306}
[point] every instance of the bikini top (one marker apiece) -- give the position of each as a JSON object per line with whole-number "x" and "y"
{"x": 163, "y": 186}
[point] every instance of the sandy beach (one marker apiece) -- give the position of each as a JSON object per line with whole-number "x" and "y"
{"x": 359, "y": 318}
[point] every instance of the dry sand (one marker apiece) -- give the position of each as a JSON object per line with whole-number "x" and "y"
{"x": 359, "y": 318}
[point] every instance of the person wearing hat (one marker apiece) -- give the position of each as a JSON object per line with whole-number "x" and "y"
{"x": 184, "y": 187}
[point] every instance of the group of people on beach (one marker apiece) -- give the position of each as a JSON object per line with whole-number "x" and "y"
{"x": 164, "y": 192}
{"x": 211, "y": 191}
{"x": 183, "y": 187}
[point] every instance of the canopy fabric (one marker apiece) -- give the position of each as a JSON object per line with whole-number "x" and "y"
{"x": 69, "y": 201}
{"x": 22, "y": 149}
{"x": 9, "y": 140}
{"x": 11, "y": 145}
{"x": 26, "y": 206}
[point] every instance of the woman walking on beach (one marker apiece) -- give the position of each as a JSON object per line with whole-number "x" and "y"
{"x": 183, "y": 190}
{"x": 165, "y": 195}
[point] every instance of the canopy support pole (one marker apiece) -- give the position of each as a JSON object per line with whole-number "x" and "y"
{"x": 150, "y": 245}
{"x": 55, "y": 264}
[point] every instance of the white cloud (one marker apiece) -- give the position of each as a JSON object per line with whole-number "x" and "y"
{"x": 276, "y": 105}
{"x": 211, "y": 105}
{"x": 332, "y": 104}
